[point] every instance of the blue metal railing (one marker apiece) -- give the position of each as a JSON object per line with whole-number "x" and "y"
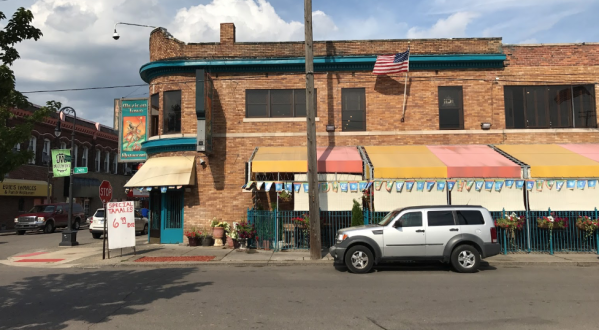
{"x": 284, "y": 233}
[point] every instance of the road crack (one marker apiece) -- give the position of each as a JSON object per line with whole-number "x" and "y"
{"x": 375, "y": 323}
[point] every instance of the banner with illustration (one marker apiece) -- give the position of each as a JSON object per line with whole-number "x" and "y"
{"x": 61, "y": 162}
{"x": 134, "y": 130}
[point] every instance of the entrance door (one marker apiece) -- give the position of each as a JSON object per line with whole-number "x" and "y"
{"x": 155, "y": 216}
{"x": 172, "y": 216}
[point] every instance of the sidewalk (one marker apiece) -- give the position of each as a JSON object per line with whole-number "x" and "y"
{"x": 158, "y": 256}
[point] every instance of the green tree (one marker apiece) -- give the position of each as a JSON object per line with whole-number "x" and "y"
{"x": 17, "y": 29}
{"x": 357, "y": 218}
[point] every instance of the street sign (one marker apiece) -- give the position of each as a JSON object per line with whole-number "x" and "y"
{"x": 80, "y": 170}
{"x": 105, "y": 191}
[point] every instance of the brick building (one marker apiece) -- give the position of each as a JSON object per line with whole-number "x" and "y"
{"x": 523, "y": 94}
{"x": 95, "y": 148}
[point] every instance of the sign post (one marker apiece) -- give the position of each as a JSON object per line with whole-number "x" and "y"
{"x": 121, "y": 227}
{"x": 105, "y": 197}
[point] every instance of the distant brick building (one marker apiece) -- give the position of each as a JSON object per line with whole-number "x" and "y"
{"x": 95, "y": 149}
{"x": 527, "y": 94}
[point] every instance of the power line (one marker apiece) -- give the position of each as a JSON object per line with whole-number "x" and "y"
{"x": 82, "y": 89}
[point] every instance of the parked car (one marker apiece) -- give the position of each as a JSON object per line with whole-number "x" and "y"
{"x": 96, "y": 226}
{"x": 48, "y": 217}
{"x": 459, "y": 235}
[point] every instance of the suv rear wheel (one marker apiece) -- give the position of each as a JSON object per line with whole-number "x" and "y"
{"x": 465, "y": 259}
{"x": 359, "y": 259}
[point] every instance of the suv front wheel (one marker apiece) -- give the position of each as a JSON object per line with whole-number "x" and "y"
{"x": 359, "y": 259}
{"x": 465, "y": 259}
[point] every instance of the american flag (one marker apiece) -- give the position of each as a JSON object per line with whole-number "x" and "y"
{"x": 386, "y": 64}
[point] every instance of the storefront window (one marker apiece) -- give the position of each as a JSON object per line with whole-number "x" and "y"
{"x": 154, "y": 110}
{"x": 276, "y": 103}
{"x": 172, "y": 112}
{"x": 450, "y": 108}
{"x": 353, "y": 109}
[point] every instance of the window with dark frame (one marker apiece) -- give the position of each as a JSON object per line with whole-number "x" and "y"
{"x": 353, "y": 109}
{"x": 154, "y": 111}
{"x": 276, "y": 103}
{"x": 412, "y": 219}
{"x": 172, "y": 112}
{"x": 440, "y": 218}
{"x": 451, "y": 112}
{"x": 558, "y": 106}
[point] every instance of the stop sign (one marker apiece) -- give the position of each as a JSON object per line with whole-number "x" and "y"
{"x": 105, "y": 191}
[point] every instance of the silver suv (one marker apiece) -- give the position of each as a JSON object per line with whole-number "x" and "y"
{"x": 460, "y": 235}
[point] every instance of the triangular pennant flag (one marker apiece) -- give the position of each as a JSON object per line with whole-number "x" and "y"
{"x": 377, "y": 185}
{"x": 478, "y": 186}
{"x": 469, "y": 184}
{"x": 419, "y": 185}
{"x": 306, "y": 187}
{"x": 389, "y": 186}
{"x": 409, "y": 185}
{"x": 571, "y": 184}
{"x": 369, "y": 185}
{"x": 278, "y": 186}
{"x": 498, "y": 185}
{"x": 450, "y": 185}
{"x": 297, "y": 187}
{"x": 530, "y": 185}
{"x": 288, "y": 186}
{"x": 362, "y": 185}
{"x": 539, "y": 184}
{"x": 430, "y": 185}
{"x": 324, "y": 187}
{"x": 268, "y": 185}
{"x": 519, "y": 184}
{"x": 398, "y": 186}
{"x": 489, "y": 185}
{"x": 335, "y": 186}
{"x": 550, "y": 184}
{"x": 440, "y": 185}
{"x": 461, "y": 185}
{"x": 592, "y": 184}
{"x": 259, "y": 185}
{"x": 353, "y": 187}
{"x": 559, "y": 185}
{"x": 343, "y": 186}
{"x": 509, "y": 183}
{"x": 581, "y": 183}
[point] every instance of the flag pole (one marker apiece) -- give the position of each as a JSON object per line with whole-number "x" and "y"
{"x": 405, "y": 88}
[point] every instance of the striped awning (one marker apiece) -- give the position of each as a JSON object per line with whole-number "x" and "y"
{"x": 295, "y": 160}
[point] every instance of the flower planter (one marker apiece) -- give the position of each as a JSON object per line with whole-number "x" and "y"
{"x": 218, "y": 233}
{"x": 232, "y": 243}
{"x": 266, "y": 245}
{"x": 243, "y": 243}
{"x": 208, "y": 241}
{"x": 193, "y": 241}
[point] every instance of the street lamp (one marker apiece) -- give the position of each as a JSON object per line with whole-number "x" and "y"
{"x": 69, "y": 236}
{"x": 116, "y": 35}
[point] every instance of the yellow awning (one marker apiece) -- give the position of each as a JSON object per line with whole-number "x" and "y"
{"x": 392, "y": 162}
{"x": 165, "y": 171}
{"x": 552, "y": 161}
{"x": 280, "y": 159}
{"x": 16, "y": 187}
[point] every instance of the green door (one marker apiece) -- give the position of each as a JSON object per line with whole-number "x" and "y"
{"x": 172, "y": 217}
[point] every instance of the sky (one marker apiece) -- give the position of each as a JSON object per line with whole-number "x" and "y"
{"x": 77, "y": 49}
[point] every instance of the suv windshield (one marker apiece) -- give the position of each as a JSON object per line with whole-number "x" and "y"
{"x": 99, "y": 214}
{"x": 388, "y": 218}
{"x": 42, "y": 208}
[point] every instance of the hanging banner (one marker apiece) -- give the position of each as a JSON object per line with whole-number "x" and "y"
{"x": 343, "y": 186}
{"x": 581, "y": 183}
{"x": 450, "y": 185}
{"x": 133, "y": 126}
{"x": 398, "y": 186}
{"x": 363, "y": 185}
{"x": 61, "y": 162}
{"x": 288, "y": 186}
{"x": 470, "y": 184}
{"x": 121, "y": 224}
{"x": 278, "y": 186}
{"x": 377, "y": 185}
{"x": 324, "y": 187}
{"x": 559, "y": 185}
{"x": 335, "y": 186}
{"x": 369, "y": 184}
{"x": 247, "y": 186}
{"x": 489, "y": 185}
{"x": 498, "y": 185}
{"x": 409, "y": 185}
{"x": 268, "y": 185}
{"x": 530, "y": 185}
{"x": 478, "y": 186}
{"x": 592, "y": 184}
{"x": 419, "y": 185}
{"x": 509, "y": 183}
{"x": 461, "y": 185}
{"x": 440, "y": 185}
{"x": 163, "y": 190}
{"x": 306, "y": 187}
{"x": 539, "y": 184}
{"x": 519, "y": 184}
{"x": 259, "y": 185}
{"x": 389, "y": 186}
{"x": 571, "y": 184}
{"x": 353, "y": 186}
{"x": 430, "y": 185}
{"x": 297, "y": 187}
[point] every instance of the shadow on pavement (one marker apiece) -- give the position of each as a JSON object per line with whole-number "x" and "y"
{"x": 420, "y": 266}
{"x": 56, "y": 300}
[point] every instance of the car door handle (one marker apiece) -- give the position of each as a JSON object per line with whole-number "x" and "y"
{"x": 420, "y": 231}
{"x": 453, "y": 229}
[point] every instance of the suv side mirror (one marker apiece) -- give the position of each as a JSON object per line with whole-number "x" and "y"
{"x": 397, "y": 224}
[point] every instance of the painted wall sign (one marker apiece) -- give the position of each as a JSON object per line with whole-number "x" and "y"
{"x": 134, "y": 130}
{"x": 24, "y": 188}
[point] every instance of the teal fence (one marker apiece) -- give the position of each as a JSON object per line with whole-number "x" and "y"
{"x": 283, "y": 230}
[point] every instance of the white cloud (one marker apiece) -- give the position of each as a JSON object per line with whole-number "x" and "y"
{"x": 452, "y": 27}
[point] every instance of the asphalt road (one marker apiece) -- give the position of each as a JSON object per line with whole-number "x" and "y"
{"x": 298, "y": 297}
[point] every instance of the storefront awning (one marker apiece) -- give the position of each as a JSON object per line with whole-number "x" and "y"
{"x": 165, "y": 171}
{"x": 405, "y": 162}
{"x": 590, "y": 151}
{"x": 16, "y": 187}
{"x": 295, "y": 160}
{"x": 475, "y": 161}
{"x": 553, "y": 161}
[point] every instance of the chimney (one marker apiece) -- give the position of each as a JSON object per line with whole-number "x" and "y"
{"x": 227, "y": 33}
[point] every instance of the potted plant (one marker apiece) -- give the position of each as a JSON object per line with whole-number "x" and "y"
{"x": 285, "y": 196}
{"x": 232, "y": 238}
{"x": 207, "y": 239}
{"x": 552, "y": 223}
{"x": 192, "y": 237}
{"x": 588, "y": 225}
{"x": 245, "y": 231}
{"x": 302, "y": 229}
{"x": 218, "y": 231}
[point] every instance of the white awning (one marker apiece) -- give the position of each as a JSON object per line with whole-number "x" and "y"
{"x": 165, "y": 171}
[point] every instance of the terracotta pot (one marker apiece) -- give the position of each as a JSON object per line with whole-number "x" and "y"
{"x": 218, "y": 232}
{"x": 266, "y": 245}
{"x": 193, "y": 241}
{"x": 230, "y": 243}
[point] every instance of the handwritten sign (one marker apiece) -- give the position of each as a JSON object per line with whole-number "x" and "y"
{"x": 121, "y": 224}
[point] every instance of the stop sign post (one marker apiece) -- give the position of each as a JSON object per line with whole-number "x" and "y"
{"x": 105, "y": 197}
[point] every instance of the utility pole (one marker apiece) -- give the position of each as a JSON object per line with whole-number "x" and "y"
{"x": 315, "y": 243}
